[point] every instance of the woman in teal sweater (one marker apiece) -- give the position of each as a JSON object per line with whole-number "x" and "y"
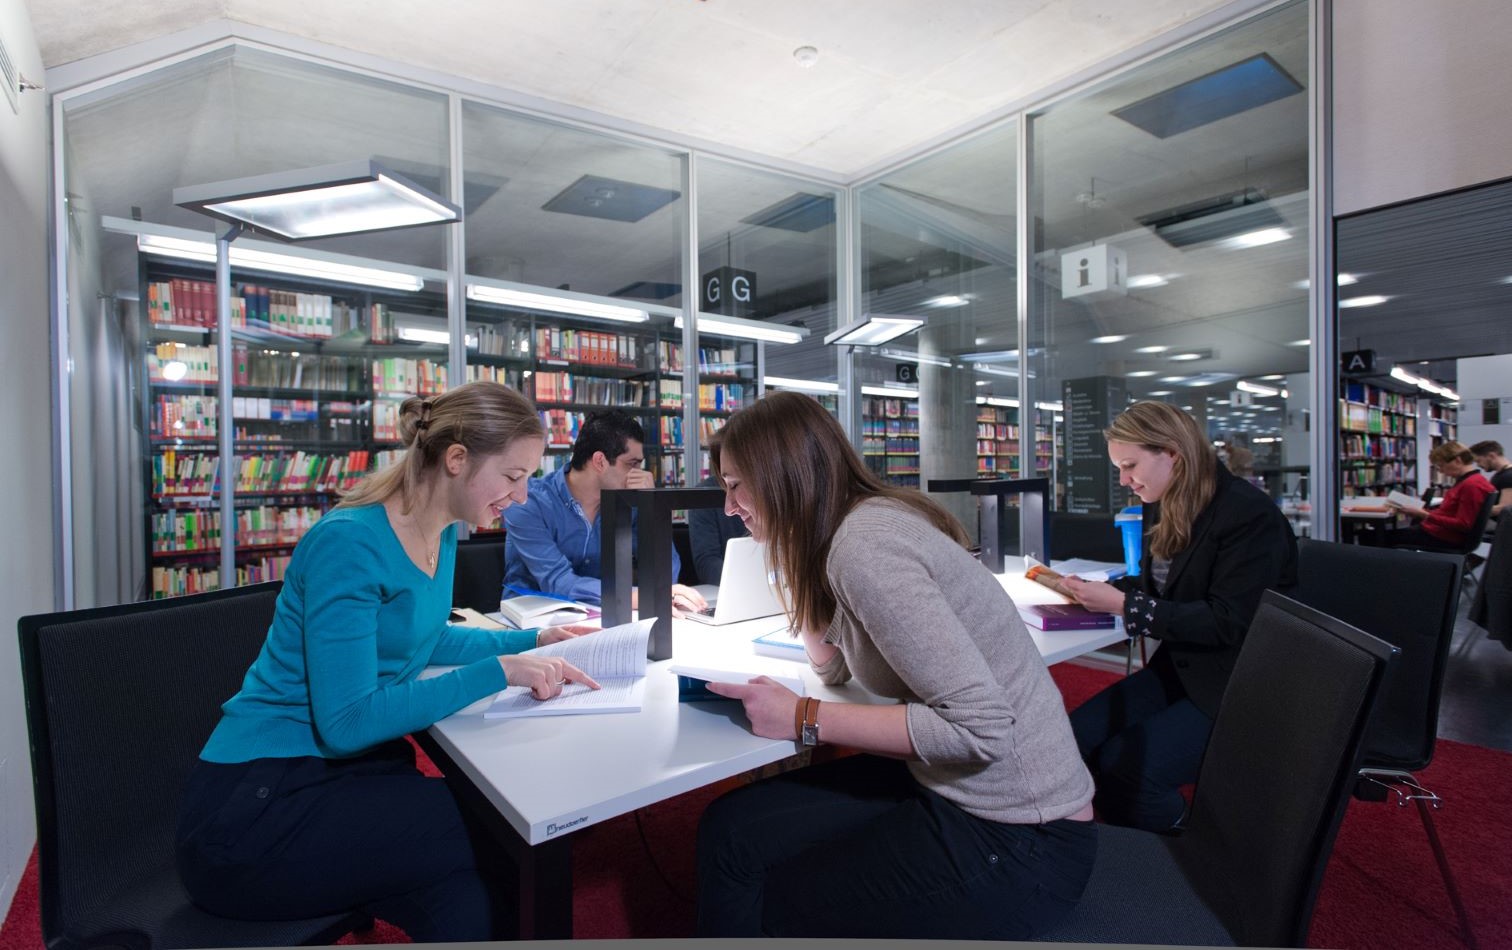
{"x": 306, "y": 800}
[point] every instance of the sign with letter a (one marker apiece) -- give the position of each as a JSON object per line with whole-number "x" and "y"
{"x": 728, "y": 290}
{"x": 1357, "y": 361}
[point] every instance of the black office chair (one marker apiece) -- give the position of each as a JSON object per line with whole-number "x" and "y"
{"x": 1409, "y": 599}
{"x": 119, "y": 702}
{"x": 479, "y": 579}
{"x": 1274, "y": 784}
{"x": 1491, "y": 612}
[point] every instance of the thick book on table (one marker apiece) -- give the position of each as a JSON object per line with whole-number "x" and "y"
{"x": 541, "y": 610}
{"x": 616, "y": 658}
{"x": 1065, "y": 617}
{"x": 692, "y": 682}
{"x": 781, "y": 642}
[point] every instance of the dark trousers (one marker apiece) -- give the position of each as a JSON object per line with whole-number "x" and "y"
{"x": 1142, "y": 739}
{"x": 1415, "y": 537}
{"x": 302, "y": 837}
{"x": 857, "y": 848}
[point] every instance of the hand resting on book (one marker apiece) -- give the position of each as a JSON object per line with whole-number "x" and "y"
{"x": 1094, "y": 595}
{"x": 545, "y": 676}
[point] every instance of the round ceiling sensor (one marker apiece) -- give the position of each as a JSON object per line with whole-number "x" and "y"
{"x": 806, "y": 56}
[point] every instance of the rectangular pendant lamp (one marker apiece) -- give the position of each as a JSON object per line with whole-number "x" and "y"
{"x": 874, "y": 329}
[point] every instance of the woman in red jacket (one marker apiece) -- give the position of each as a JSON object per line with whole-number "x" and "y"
{"x": 1447, "y": 527}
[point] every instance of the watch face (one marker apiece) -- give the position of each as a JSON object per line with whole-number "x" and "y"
{"x": 811, "y": 733}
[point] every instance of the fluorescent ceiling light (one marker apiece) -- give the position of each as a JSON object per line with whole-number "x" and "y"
{"x": 1184, "y": 357}
{"x": 557, "y": 302}
{"x": 991, "y": 356}
{"x": 1174, "y": 379}
{"x": 1141, "y": 372}
{"x": 1160, "y": 392}
{"x": 1300, "y": 343}
{"x": 1146, "y": 280}
{"x": 1344, "y": 280}
{"x": 1258, "y": 238}
{"x": 801, "y": 385}
{"x": 329, "y": 200}
{"x": 1152, "y": 349}
{"x": 947, "y": 300}
{"x": 890, "y": 391}
{"x": 1050, "y": 406}
{"x": 721, "y": 325}
{"x": 1368, "y": 300}
{"x": 984, "y": 382}
{"x": 1274, "y": 376}
{"x": 1259, "y": 390}
{"x": 1115, "y": 338}
{"x": 251, "y": 258}
{"x": 916, "y": 357}
{"x": 996, "y": 371}
{"x": 1398, "y": 372}
{"x": 874, "y": 329}
{"x": 997, "y": 401}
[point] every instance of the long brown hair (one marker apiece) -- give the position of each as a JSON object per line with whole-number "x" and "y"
{"x": 804, "y": 478}
{"x": 484, "y": 417}
{"x": 1161, "y": 427}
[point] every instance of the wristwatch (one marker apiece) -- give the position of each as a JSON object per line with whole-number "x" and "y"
{"x": 808, "y": 732}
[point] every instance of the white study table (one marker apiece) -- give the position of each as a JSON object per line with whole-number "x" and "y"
{"x": 546, "y": 777}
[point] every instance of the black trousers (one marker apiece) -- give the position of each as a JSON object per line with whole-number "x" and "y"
{"x": 857, "y": 848}
{"x": 1416, "y": 537}
{"x": 1142, "y": 739}
{"x": 301, "y": 837}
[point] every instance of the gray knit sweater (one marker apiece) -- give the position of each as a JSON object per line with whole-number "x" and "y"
{"x": 920, "y": 620}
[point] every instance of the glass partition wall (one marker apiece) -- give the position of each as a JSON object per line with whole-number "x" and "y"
{"x": 1170, "y": 258}
{"x": 570, "y": 280}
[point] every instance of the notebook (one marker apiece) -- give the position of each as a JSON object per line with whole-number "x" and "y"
{"x": 745, "y": 589}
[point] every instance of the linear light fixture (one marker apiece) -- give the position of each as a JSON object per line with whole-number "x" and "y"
{"x": 560, "y": 301}
{"x": 1365, "y": 300}
{"x": 741, "y": 328}
{"x": 916, "y": 357}
{"x": 1259, "y": 390}
{"x": 899, "y": 392}
{"x": 801, "y": 385}
{"x": 1257, "y": 238}
{"x": 1425, "y": 384}
{"x": 874, "y": 329}
{"x": 1110, "y": 338}
{"x": 329, "y": 200}
{"x": 997, "y": 401}
{"x": 274, "y": 262}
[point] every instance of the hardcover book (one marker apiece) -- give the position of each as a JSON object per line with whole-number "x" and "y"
{"x": 1065, "y": 617}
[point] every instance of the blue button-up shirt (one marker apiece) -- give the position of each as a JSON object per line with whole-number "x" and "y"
{"x": 551, "y": 546}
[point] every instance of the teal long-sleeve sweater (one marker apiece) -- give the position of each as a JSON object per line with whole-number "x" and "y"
{"x": 355, "y": 624}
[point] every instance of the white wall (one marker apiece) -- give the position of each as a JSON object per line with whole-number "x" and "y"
{"x": 1483, "y": 377}
{"x": 26, "y": 559}
{"x": 1420, "y": 98}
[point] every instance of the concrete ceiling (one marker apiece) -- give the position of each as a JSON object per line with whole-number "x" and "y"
{"x": 890, "y": 74}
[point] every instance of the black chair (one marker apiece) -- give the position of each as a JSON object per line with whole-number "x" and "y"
{"x": 1409, "y": 599}
{"x": 119, "y": 702}
{"x": 479, "y": 578}
{"x": 1272, "y": 790}
{"x": 1473, "y": 540}
{"x": 1491, "y": 612}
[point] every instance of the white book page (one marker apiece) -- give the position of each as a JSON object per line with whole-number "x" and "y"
{"x": 624, "y": 694}
{"x": 612, "y": 652}
{"x": 615, "y": 657}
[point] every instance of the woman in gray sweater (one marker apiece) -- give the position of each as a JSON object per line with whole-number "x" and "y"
{"x": 969, "y": 813}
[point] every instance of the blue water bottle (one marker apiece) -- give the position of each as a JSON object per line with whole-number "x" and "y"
{"x": 1130, "y": 523}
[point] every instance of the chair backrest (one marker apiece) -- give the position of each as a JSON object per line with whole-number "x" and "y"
{"x": 119, "y": 702}
{"x": 1279, "y": 768}
{"x": 479, "y": 579}
{"x": 1407, "y": 598}
{"x": 1482, "y": 521}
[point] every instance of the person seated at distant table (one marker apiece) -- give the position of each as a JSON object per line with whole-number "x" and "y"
{"x": 1488, "y": 455}
{"x": 1447, "y": 527}
{"x": 552, "y": 542}
{"x": 709, "y": 532}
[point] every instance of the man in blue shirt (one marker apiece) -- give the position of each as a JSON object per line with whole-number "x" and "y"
{"x": 552, "y": 542}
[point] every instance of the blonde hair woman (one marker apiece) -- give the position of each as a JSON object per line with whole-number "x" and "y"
{"x": 306, "y": 800}
{"x": 1447, "y": 527}
{"x": 1217, "y": 543}
{"x": 969, "y": 817}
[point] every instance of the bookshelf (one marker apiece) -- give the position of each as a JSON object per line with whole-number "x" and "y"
{"x": 1442, "y": 425}
{"x": 1378, "y": 440}
{"x": 890, "y": 438}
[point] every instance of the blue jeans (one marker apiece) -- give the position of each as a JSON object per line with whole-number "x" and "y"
{"x": 857, "y": 848}
{"x": 275, "y": 839}
{"x": 1142, "y": 739}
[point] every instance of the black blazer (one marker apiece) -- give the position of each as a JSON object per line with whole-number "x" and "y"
{"x": 1241, "y": 547}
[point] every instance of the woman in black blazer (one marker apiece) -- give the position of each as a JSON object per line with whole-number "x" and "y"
{"x": 1217, "y": 543}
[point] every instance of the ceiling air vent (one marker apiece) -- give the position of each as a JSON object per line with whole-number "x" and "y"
{"x": 1212, "y": 219}
{"x": 11, "y": 78}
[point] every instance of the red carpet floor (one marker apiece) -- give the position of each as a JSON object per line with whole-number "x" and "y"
{"x": 1382, "y": 889}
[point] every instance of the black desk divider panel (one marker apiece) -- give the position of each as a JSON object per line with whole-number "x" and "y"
{"x": 997, "y": 525}
{"x": 654, "y": 542}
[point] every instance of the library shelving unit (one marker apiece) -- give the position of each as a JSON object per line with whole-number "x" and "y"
{"x": 1378, "y": 440}
{"x": 890, "y": 438}
{"x": 317, "y": 380}
{"x": 726, "y": 384}
{"x": 1442, "y": 423}
{"x": 997, "y": 442}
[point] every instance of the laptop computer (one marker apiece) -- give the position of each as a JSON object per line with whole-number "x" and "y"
{"x": 745, "y": 589}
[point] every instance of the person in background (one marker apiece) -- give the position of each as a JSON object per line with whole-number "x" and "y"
{"x": 968, "y": 815}
{"x": 709, "y": 531}
{"x": 1447, "y": 527}
{"x": 1488, "y": 455}
{"x": 1214, "y": 545}
{"x": 552, "y": 542}
{"x": 306, "y": 800}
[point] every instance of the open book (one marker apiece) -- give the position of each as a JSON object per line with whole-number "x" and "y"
{"x": 541, "y": 610}
{"x": 615, "y": 657}
{"x": 1403, "y": 499}
{"x": 692, "y": 680}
